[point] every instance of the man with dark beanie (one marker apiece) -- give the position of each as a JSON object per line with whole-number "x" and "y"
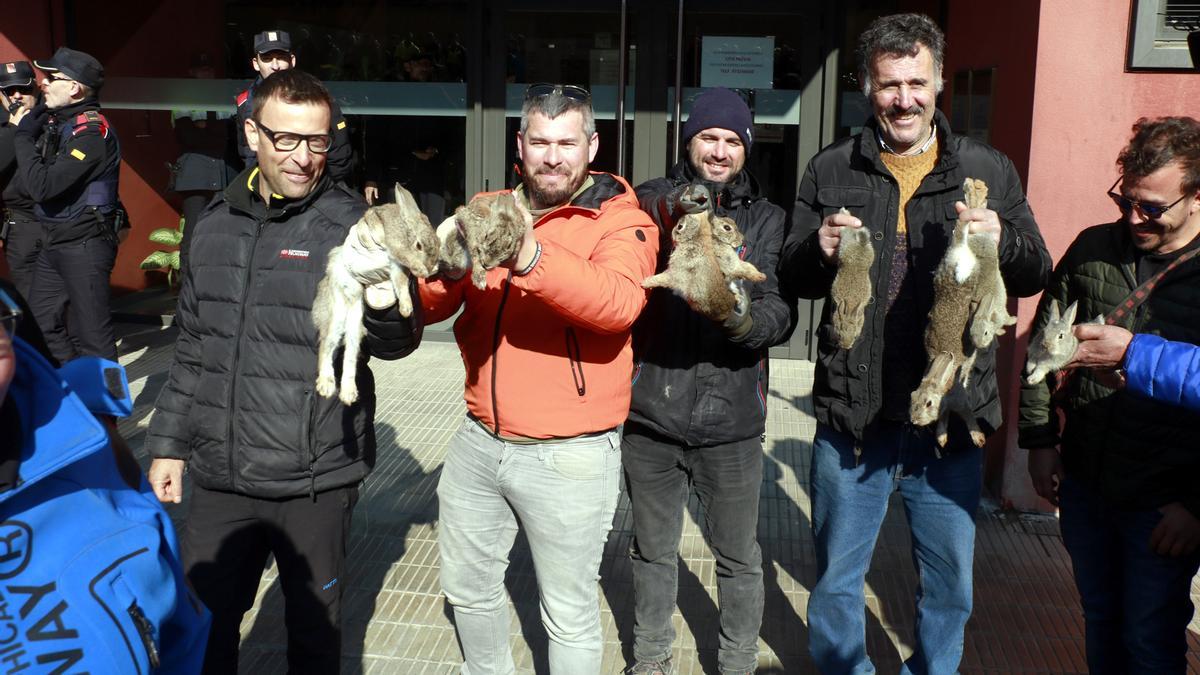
{"x": 699, "y": 397}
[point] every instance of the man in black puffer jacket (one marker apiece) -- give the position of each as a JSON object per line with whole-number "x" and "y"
{"x": 699, "y": 398}
{"x": 276, "y": 466}
{"x": 901, "y": 177}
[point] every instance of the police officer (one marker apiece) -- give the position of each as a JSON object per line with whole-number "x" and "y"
{"x": 20, "y": 234}
{"x": 69, "y": 161}
{"x": 273, "y": 53}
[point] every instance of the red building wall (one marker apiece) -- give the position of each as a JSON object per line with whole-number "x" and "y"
{"x": 138, "y": 38}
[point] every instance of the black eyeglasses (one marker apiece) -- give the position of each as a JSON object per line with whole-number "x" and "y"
{"x": 1148, "y": 210}
{"x": 570, "y": 91}
{"x": 10, "y": 314}
{"x": 286, "y": 141}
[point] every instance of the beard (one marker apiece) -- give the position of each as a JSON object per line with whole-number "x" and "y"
{"x": 546, "y": 197}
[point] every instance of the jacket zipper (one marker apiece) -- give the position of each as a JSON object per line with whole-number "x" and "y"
{"x": 237, "y": 348}
{"x": 574, "y": 357}
{"x": 310, "y": 427}
{"x": 496, "y": 352}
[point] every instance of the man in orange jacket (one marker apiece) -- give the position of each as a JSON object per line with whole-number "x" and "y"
{"x": 548, "y": 357}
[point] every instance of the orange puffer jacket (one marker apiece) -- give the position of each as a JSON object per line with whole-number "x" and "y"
{"x": 548, "y": 354}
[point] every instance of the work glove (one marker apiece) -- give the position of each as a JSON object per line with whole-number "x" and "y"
{"x": 364, "y": 244}
{"x": 691, "y": 198}
{"x": 739, "y": 321}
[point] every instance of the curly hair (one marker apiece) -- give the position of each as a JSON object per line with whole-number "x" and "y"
{"x": 1160, "y": 141}
{"x": 290, "y": 86}
{"x": 899, "y": 35}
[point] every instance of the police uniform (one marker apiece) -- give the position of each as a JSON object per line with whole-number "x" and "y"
{"x": 19, "y": 228}
{"x": 339, "y": 161}
{"x": 69, "y": 161}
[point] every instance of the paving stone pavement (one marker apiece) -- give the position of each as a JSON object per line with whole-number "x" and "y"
{"x": 1026, "y": 619}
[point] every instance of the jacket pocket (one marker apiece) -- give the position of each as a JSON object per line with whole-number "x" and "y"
{"x": 853, "y": 199}
{"x": 576, "y": 361}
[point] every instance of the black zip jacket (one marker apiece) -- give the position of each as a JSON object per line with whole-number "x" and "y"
{"x": 239, "y": 403}
{"x": 848, "y": 393}
{"x": 693, "y": 382}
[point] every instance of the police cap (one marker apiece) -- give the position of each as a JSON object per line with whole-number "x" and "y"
{"x": 16, "y": 74}
{"x": 272, "y": 41}
{"x": 81, "y": 67}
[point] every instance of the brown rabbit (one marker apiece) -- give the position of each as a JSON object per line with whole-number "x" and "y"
{"x": 1054, "y": 344}
{"x": 387, "y": 241}
{"x": 702, "y": 263}
{"x": 851, "y": 288}
{"x": 955, "y": 286}
{"x": 941, "y": 394}
{"x": 486, "y": 232}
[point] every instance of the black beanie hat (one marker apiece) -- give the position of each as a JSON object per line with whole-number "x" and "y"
{"x": 721, "y": 108}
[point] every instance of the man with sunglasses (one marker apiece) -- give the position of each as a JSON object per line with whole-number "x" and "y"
{"x": 698, "y": 411}
{"x": 1124, "y": 470}
{"x": 273, "y": 54}
{"x": 20, "y": 233}
{"x": 68, "y": 161}
{"x": 546, "y": 345}
{"x": 276, "y": 468}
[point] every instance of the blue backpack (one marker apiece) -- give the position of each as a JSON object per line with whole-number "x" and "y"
{"x": 90, "y": 578}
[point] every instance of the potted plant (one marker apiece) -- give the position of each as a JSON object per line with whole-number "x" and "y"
{"x": 165, "y": 260}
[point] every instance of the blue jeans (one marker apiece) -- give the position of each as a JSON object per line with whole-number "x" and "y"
{"x": 1136, "y": 603}
{"x": 850, "y": 499}
{"x": 727, "y": 479}
{"x": 563, "y": 494}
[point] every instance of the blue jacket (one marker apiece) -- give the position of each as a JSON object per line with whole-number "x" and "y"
{"x": 1164, "y": 370}
{"x": 90, "y": 578}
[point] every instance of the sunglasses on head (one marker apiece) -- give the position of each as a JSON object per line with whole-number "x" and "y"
{"x": 570, "y": 91}
{"x": 10, "y": 314}
{"x": 1148, "y": 210}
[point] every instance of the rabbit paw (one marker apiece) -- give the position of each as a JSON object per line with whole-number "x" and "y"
{"x": 349, "y": 393}
{"x": 326, "y": 386}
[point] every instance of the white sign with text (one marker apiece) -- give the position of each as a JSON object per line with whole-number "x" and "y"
{"x": 737, "y": 62}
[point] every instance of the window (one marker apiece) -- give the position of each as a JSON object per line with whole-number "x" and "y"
{"x": 1159, "y": 34}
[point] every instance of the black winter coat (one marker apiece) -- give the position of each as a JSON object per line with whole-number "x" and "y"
{"x": 692, "y": 382}
{"x": 239, "y": 403}
{"x": 848, "y": 388}
{"x": 1137, "y": 453}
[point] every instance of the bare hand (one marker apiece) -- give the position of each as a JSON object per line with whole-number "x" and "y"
{"x": 1046, "y": 471}
{"x": 15, "y": 118}
{"x": 1177, "y": 534}
{"x": 166, "y": 478}
{"x": 1100, "y": 346}
{"x": 528, "y": 246}
{"x": 830, "y": 233}
{"x": 371, "y": 192}
{"x": 980, "y": 220}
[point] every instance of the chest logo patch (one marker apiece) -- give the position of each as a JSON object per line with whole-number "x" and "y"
{"x": 293, "y": 254}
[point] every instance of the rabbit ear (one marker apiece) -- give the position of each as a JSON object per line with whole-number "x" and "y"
{"x": 1054, "y": 315}
{"x": 1069, "y": 315}
{"x": 941, "y": 370}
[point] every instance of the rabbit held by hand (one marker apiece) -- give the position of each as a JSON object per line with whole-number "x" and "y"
{"x": 1054, "y": 344}
{"x": 851, "y": 289}
{"x": 486, "y": 232}
{"x": 386, "y": 244}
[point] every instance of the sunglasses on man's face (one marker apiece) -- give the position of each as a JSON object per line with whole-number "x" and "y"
{"x": 570, "y": 91}
{"x": 1148, "y": 210}
{"x": 21, "y": 91}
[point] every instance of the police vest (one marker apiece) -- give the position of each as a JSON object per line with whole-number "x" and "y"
{"x": 100, "y": 193}
{"x": 90, "y": 579}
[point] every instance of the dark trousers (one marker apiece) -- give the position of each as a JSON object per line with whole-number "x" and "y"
{"x": 194, "y": 202}
{"x": 21, "y": 248}
{"x": 1136, "y": 603}
{"x": 226, "y": 541}
{"x": 727, "y": 478}
{"x": 70, "y": 299}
